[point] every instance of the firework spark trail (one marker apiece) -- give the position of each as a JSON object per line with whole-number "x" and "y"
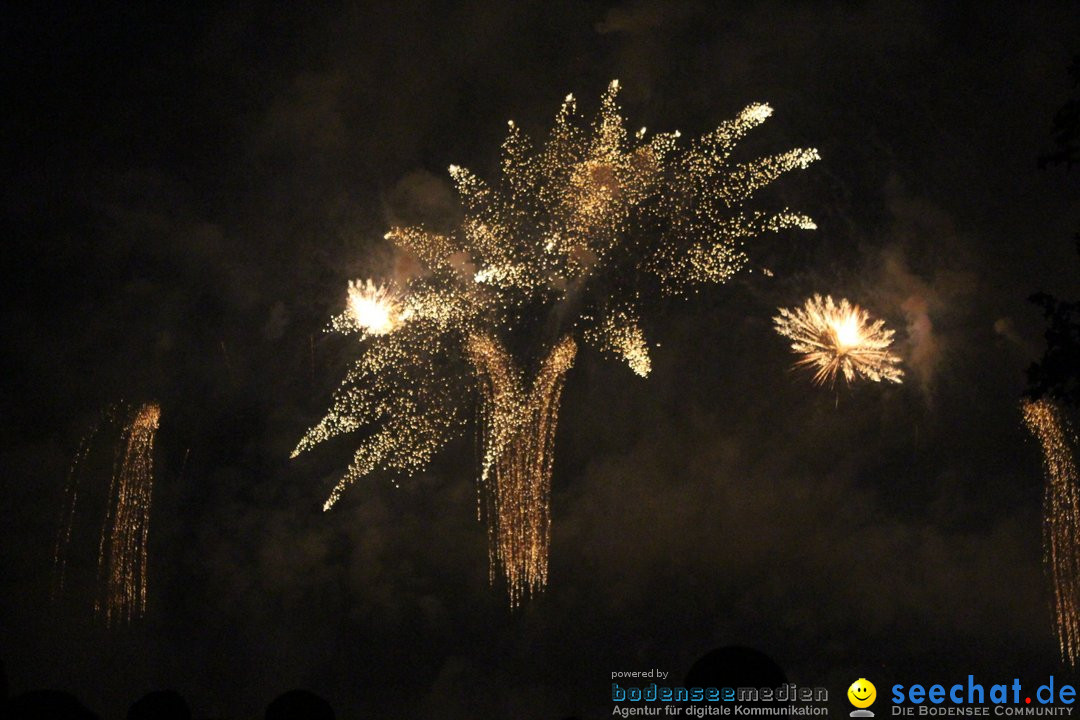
{"x": 518, "y": 428}
{"x": 1061, "y": 517}
{"x": 839, "y": 340}
{"x": 122, "y": 550}
{"x": 562, "y": 247}
{"x": 71, "y": 497}
{"x": 621, "y": 335}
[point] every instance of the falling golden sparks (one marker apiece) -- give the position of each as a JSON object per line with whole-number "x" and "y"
{"x": 71, "y": 500}
{"x": 518, "y": 428}
{"x": 563, "y": 247}
{"x": 839, "y": 340}
{"x": 1061, "y": 517}
{"x": 622, "y": 336}
{"x": 122, "y": 550}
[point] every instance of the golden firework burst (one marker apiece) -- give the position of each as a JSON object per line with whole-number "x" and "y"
{"x": 561, "y": 248}
{"x": 839, "y": 339}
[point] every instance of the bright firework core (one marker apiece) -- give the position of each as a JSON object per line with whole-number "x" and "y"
{"x": 560, "y": 250}
{"x": 373, "y": 308}
{"x": 847, "y": 333}
{"x": 839, "y": 339}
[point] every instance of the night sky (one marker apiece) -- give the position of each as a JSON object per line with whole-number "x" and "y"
{"x": 188, "y": 189}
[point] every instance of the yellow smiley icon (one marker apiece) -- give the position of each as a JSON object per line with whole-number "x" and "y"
{"x": 862, "y": 693}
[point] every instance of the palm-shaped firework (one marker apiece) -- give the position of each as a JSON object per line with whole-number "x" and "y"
{"x": 561, "y": 249}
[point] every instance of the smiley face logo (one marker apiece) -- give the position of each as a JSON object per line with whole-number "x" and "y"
{"x": 862, "y": 693}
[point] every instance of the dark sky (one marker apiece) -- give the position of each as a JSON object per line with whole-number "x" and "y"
{"x": 187, "y": 191}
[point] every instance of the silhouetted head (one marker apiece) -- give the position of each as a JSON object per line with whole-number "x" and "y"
{"x": 735, "y": 666}
{"x": 47, "y": 705}
{"x": 299, "y": 705}
{"x": 160, "y": 705}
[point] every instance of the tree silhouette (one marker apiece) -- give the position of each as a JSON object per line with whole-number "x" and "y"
{"x": 1057, "y": 374}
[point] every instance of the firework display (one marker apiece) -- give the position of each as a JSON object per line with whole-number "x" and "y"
{"x": 839, "y": 339}
{"x": 122, "y": 556}
{"x": 1061, "y": 517}
{"x": 124, "y": 531}
{"x": 561, "y": 249}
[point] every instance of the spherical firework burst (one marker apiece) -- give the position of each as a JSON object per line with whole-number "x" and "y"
{"x": 561, "y": 249}
{"x": 839, "y": 340}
